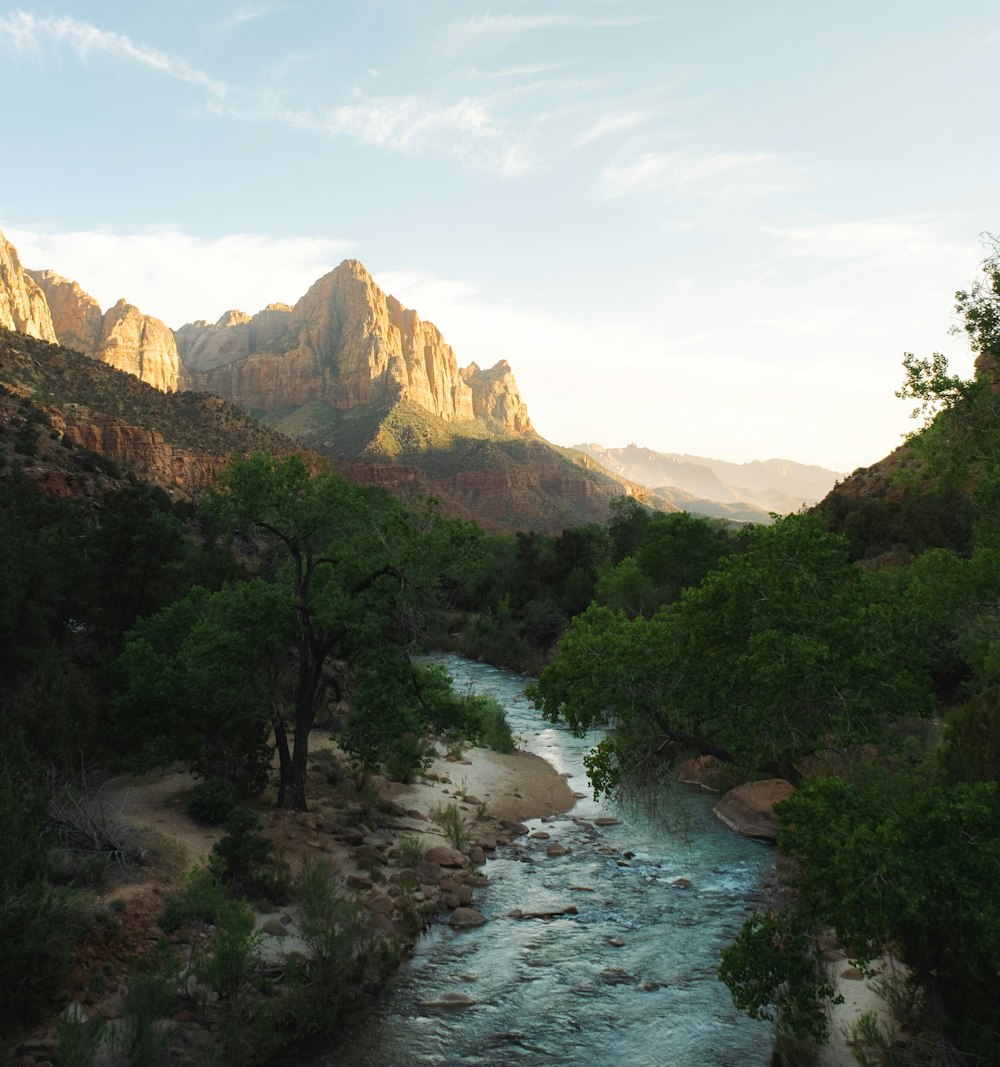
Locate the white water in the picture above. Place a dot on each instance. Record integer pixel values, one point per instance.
(564, 991)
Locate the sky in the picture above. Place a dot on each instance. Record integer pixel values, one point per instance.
(703, 226)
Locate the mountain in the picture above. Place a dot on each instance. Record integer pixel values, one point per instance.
(123, 337)
(349, 372)
(752, 490)
(23, 306)
(67, 419)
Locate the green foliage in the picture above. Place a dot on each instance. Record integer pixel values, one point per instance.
(201, 900)
(346, 958)
(896, 858)
(398, 703)
(79, 1039)
(452, 824)
(780, 651)
(979, 305)
(212, 801)
(773, 971)
(243, 860)
(38, 923)
(232, 959)
(140, 1039)
(928, 382)
(970, 749)
(198, 681)
(408, 850)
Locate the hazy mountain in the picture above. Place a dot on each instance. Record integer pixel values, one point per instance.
(761, 486)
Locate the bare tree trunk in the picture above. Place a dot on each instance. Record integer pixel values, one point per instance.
(284, 756)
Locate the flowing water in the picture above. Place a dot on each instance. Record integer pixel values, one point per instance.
(628, 981)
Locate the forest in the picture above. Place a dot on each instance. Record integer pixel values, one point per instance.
(853, 650)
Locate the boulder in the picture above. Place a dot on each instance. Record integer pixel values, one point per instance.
(444, 856)
(466, 919)
(706, 772)
(749, 809)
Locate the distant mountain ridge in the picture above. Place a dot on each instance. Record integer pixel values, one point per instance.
(359, 378)
(753, 489)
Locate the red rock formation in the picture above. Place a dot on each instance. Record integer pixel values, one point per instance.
(22, 304)
(122, 337)
(146, 451)
(346, 344)
(495, 397)
(76, 316)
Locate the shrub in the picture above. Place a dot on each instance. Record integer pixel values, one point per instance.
(408, 850)
(244, 860)
(201, 900)
(212, 801)
(452, 824)
(345, 957)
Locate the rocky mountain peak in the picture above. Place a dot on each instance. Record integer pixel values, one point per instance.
(76, 315)
(495, 397)
(22, 303)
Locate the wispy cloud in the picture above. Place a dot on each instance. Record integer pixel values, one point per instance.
(485, 25)
(684, 170)
(33, 36)
(173, 275)
(524, 123)
(517, 72)
(249, 12)
(606, 125)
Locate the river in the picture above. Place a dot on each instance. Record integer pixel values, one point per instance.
(628, 981)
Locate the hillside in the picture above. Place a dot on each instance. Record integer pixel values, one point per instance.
(178, 441)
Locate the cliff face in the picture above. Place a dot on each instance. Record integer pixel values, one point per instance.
(22, 304)
(76, 316)
(122, 337)
(495, 397)
(348, 345)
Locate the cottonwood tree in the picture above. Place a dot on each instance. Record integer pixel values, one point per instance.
(358, 570)
(781, 651)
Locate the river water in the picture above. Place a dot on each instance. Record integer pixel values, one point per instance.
(628, 981)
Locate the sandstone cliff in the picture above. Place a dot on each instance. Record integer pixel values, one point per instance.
(76, 315)
(179, 441)
(122, 337)
(347, 345)
(22, 304)
(495, 397)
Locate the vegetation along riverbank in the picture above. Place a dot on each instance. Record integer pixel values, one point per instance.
(231, 793)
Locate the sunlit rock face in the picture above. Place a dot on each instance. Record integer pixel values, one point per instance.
(140, 345)
(76, 316)
(22, 304)
(495, 397)
(122, 337)
(347, 344)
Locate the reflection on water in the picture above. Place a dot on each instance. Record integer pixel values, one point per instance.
(627, 981)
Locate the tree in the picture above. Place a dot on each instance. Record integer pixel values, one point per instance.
(897, 859)
(359, 571)
(781, 651)
(199, 682)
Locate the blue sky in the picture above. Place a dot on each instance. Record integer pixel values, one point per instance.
(709, 227)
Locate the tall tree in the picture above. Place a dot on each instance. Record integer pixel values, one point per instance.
(782, 650)
(358, 569)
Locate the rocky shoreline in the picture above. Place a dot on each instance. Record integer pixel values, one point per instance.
(386, 845)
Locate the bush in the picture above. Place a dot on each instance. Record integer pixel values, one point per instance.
(202, 900)
(38, 923)
(408, 850)
(212, 801)
(345, 957)
(452, 824)
(244, 860)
